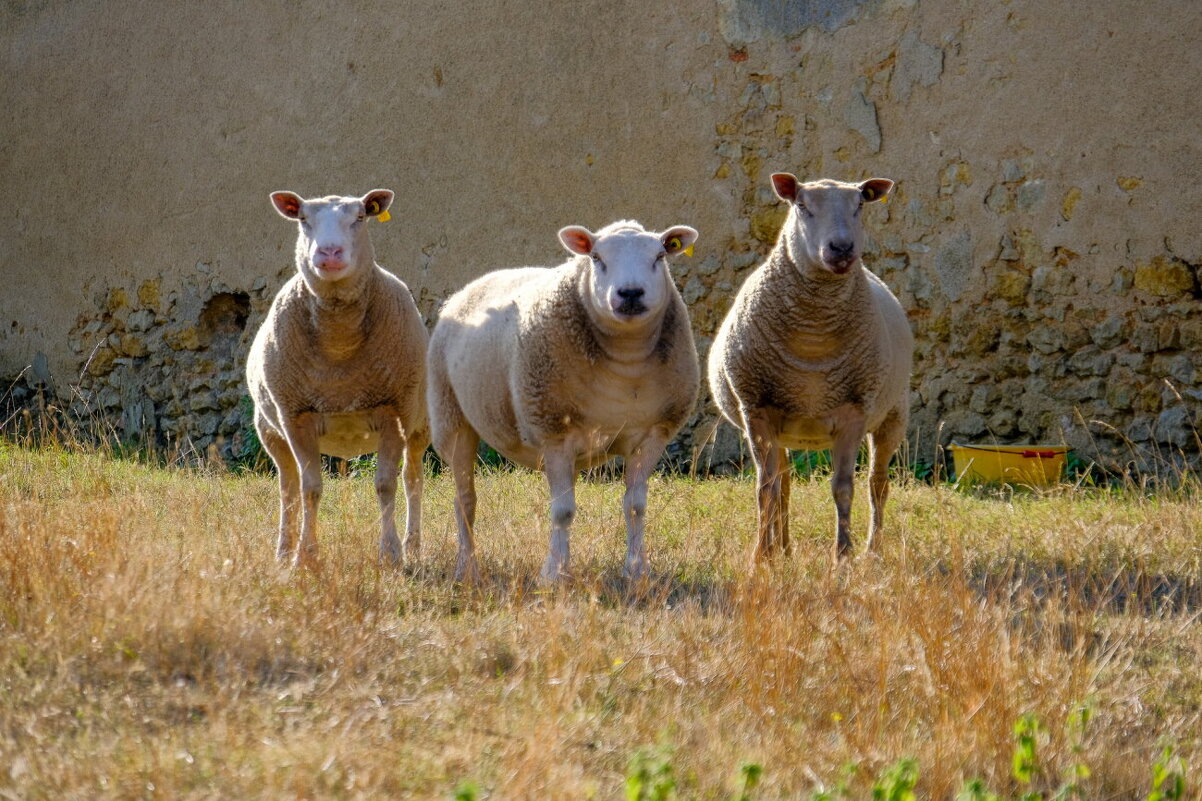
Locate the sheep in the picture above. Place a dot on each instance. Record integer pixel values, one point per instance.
(562, 368)
(338, 367)
(814, 354)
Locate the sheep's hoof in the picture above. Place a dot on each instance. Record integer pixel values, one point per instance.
(554, 573)
(467, 571)
(306, 559)
(390, 551)
(636, 570)
(411, 549)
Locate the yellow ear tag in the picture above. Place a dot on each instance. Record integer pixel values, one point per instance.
(688, 251)
(384, 216)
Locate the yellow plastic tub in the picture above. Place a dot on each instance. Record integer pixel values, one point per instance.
(1035, 465)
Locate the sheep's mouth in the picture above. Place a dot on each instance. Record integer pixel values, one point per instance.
(630, 308)
(840, 266)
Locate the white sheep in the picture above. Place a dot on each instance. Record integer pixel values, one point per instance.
(338, 367)
(814, 354)
(563, 368)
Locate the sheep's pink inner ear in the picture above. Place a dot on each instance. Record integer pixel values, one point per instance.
(577, 239)
(678, 238)
(377, 201)
(785, 186)
(875, 189)
(287, 204)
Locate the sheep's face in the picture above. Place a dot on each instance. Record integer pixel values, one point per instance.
(824, 226)
(333, 240)
(628, 276)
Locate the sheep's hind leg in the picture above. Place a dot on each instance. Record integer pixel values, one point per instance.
(414, 476)
(301, 432)
(639, 465)
(387, 460)
(767, 455)
(843, 457)
(459, 449)
(559, 463)
(782, 517)
(882, 444)
(289, 478)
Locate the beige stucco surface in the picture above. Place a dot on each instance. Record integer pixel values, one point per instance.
(1046, 156)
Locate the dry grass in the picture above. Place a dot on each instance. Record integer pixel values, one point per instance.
(149, 645)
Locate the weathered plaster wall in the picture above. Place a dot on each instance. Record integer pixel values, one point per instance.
(1044, 235)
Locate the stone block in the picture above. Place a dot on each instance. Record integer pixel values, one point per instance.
(1030, 194)
(1010, 285)
(1046, 339)
(999, 201)
(1090, 362)
(133, 346)
(102, 361)
(1145, 338)
(1164, 277)
(1174, 426)
(966, 423)
(186, 338)
(1109, 332)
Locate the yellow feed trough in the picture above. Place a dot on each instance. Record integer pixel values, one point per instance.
(1036, 465)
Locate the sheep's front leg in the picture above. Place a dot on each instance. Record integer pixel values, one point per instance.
(559, 463)
(277, 448)
(461, 453)
(843, 458)
(414, 475)
(302, 433)
(782, 517)
(882, 444)
(639, 464)
(769, 465)
(387, 460)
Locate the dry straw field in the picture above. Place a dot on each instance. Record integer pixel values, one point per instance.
(1009, 645)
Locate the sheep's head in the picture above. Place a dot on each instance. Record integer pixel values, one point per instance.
(333, 241)
(628, 277)
(824, 226)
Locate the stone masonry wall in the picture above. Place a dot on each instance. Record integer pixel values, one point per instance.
(1043, 235)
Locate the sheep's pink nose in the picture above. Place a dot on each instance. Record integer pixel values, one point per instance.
(330, 251)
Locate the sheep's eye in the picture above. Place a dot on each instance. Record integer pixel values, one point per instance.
(597, 261)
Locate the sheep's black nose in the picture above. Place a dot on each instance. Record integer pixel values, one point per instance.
(631, 293)
(841, 247)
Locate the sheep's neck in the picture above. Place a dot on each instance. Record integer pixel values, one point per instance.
(633, 345)
(822, 317)
(340, 314)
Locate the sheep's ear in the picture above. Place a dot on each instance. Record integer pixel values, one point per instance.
(288, 204)
(377, 201)
(678, 238)
(577, 239)
(875, 189)
(785, 185)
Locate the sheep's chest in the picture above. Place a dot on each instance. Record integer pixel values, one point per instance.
(618, 406)
(347, 434)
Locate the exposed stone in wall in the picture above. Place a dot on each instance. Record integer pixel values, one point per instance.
(1038, 235)
(167, 369)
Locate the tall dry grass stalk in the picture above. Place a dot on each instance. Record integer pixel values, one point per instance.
(151, 647)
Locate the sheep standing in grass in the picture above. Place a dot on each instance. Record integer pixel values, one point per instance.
(563, 368)
(338, 367)
(814, 354)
